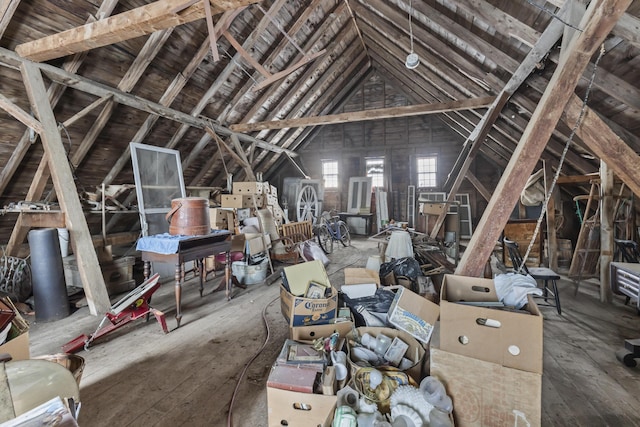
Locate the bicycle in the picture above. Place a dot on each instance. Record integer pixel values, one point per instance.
(332, 229)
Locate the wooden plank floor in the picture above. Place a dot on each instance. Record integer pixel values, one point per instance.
(140, 376)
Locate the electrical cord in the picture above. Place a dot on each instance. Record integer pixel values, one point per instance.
(246, 367)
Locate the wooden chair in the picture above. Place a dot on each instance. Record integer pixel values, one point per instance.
(282, 248)
(298, 232)
(542, 274)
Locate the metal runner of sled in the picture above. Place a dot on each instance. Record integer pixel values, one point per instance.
(131, 307)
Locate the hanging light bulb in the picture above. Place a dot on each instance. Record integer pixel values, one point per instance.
(412, 60)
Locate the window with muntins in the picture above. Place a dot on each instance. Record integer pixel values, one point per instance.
(375, 170)
(427, 171)
(330, 173)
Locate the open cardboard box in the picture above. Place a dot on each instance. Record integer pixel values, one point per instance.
(511, 339)
(17, 342)
(413, 314)
(291, 408)
(416, 352)
(299, 310)
(312, 332)
(360, 282)
(488, 394)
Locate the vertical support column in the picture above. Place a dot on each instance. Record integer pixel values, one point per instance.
(88, 265)
(606, 230)
(552, 242)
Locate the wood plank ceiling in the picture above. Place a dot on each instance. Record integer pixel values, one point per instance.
(284, 60)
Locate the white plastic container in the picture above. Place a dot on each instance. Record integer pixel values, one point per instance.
(250, 274)
(63, 237)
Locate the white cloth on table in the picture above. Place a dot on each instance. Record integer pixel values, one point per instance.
(513, 288)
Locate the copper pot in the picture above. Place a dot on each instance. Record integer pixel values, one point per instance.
(189, 216)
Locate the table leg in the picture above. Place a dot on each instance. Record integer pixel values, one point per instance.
(227, 274)
(202, 274)
(146, 270)
(178, 277)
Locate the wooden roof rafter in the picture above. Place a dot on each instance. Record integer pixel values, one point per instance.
(137, 22)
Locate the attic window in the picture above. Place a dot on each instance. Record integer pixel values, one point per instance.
(375, 170)
(427, 171)
(330, 173)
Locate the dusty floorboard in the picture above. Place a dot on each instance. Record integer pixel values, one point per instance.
(140, 376)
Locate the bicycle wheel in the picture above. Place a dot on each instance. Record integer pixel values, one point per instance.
(345, 237)
(325, 240)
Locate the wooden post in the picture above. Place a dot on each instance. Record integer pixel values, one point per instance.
(552, 242)
(88, 265)
(606, 229)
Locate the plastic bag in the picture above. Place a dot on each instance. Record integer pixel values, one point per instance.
(312, 251)
(408, 267)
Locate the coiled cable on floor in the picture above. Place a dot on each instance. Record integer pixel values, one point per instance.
(255, 356)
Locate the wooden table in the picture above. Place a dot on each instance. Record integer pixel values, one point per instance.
(368, 219)
(196, 248)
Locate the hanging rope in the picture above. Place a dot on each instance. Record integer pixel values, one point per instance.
(410, 26)
(224, 164)
(564, 154)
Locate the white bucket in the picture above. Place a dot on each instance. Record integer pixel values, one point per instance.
(373, 263)
(250, 274)
(63, 237)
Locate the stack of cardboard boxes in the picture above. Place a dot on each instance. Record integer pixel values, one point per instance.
(308, 319)
(312, 318)
(489, 359)
(249, 196)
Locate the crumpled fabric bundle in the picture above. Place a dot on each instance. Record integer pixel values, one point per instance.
(512, 288)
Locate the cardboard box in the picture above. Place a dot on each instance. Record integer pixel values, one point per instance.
(413, 314)
(433, 208)
(488, 394)
(117, 274)
(356, 276)
(220, 219)
(510, 339)
(299, 409)
(360, 282)
(237, 201)
(17, 347)
(298, 276)
(248, 188)
(273, 190)
(310, 333)
(17, 340)
(300, 311)
(272, 200)
(415, 352)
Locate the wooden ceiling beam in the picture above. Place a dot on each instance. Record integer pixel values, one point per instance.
(598, 21)
(606, 144)
(366, 115)
(137, 22)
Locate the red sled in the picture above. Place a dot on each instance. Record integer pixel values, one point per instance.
(131, 307)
